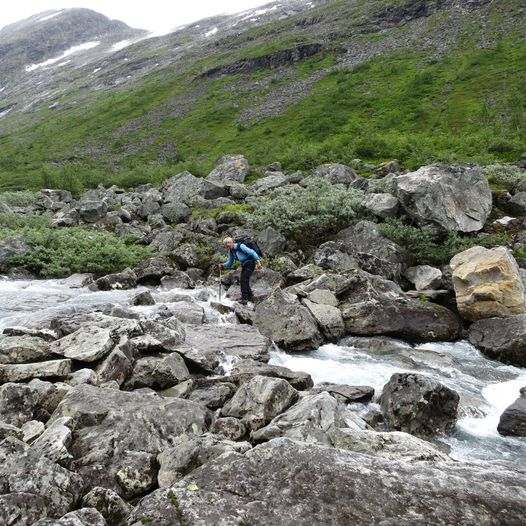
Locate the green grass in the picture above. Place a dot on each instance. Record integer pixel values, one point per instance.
(469, 105)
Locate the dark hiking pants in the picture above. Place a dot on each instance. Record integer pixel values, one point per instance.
(246, 271)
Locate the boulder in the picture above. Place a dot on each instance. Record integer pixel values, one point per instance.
(336, 173)
(24, 348)
(487, 283)
(517, 204)
(450, 197)
(502, 339)
(54, 442)
(177, 280)
(186, 256)
(419, 405)
(127, 279)
(33, 487)
(83, 517)
(381, 205)
(10, 247)
(268, 183)
(108, 504)
(229, 427)
(229, 169)
(323, 297)
(246, 369)
(424, 277)
(330, 319)
(185, 186)
(32, 430)
(143, 298)
(150, 271)
(176, 212)
(271, 242)
(190, 452)
(158, 372)
(262, 284)
(288, 323)
(212, 394)
(187, 312)
(259, 400)
(57, 369)
(513, 421)
(311, 420)
(7, 430)
(373, 252)
(166, 336)
(346, 393)
(210, 345)
(394, 445)
(387, 168)
(87, 344)
(92, 211)
(332, 256)
(118, 435)
(372, 306)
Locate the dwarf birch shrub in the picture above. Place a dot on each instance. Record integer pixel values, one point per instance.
(308, 214)
(505, 175)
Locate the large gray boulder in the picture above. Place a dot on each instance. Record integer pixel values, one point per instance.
(450, 197)
(229, 169)
(87, 344)
(308, 484)
(288, 323)
(92, 211)
(513, 421)
(372, 306)
(336, 173)
(127, 279)
(56, 369)
(262, 284)
(502, 339)
(418, 405)
(333, 255)
(312, 419)
(158, 372)
(259, 400)
(118, 435)
(108, 503)
(424, 277)
(381, 205)
(272, 242)
(185, 186)
(329, 318)
(23, 348)
(14, 246)
(268, 183)
(83, 517)
(32, 486)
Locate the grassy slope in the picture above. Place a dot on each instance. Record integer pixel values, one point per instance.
(469, 105)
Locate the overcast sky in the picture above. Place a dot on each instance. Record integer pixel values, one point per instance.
(155, 15)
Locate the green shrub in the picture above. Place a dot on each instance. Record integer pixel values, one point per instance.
(428, 249)
(308, 214)
(214, 212)
(59, 252)
(21, 198)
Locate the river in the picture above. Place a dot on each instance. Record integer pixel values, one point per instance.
(486, 387)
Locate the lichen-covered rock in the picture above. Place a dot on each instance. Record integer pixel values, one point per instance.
(230, 168)
(450, 197)
(424, 277)
(24, 348)
(108, 504)
(57, 369)
(83, 517)
(487, 283)
(87, 344)
(419, 405)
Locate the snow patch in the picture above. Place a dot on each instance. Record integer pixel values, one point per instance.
(250, 15)
(5, 112)
(51, 16)
(67, 53)
(2, 89)
(121, 45)
(211, 32)
(95, 70)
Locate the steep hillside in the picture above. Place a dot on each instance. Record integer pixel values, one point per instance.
(297, 82)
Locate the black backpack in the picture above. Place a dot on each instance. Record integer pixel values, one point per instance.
(250, 243)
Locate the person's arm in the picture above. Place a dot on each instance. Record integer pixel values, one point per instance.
(230, 261)
(252, 253)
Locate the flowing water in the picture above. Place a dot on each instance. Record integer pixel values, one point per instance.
(486, 387)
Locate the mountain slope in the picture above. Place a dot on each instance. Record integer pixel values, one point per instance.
(303, 84)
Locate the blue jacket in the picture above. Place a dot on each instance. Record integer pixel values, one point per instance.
(240, 253)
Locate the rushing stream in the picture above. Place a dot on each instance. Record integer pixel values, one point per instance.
(486, 387)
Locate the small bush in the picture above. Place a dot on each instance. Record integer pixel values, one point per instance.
(506, 175)
(308, 214)
(59, 252)
(22, 198)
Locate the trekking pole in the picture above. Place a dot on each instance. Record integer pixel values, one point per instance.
(220, 279)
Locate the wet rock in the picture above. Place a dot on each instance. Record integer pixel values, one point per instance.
(189, 453)
(346, 393)
(20, 349)
(424, 277)
(108, 504)
(282, 318)
(259, 400)
(87, 344)
(118, 435)
(394, 445)
(311, 420)
(50, 490)
(158, 372)
(230, 168)
(244, 370)
(143, 298)
(78, 281)
(211, 344)
(513, 421)
(188, 312)
(419, 405)
(177, 280)
(127, 279)
(502, 339)
(26, 371)
(487, 283)
(450, 197)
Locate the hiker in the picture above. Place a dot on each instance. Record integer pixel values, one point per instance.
(249, 260)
